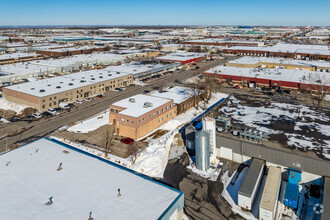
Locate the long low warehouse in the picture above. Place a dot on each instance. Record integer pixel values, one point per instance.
(49, 93)
(48, 179)
(250, 185)
(285, 78)
(268, 203)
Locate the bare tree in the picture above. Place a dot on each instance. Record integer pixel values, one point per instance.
(108, 138)
(318, 87)
(210, 82)
(197, 89)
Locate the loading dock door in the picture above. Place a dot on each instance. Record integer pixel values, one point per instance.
(226, 153)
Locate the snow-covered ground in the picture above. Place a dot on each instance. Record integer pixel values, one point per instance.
(6, 105)
(91, 124)
(261, 118)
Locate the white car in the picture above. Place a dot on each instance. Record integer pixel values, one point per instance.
(122, 88)
(52, 111)
(79, 101)
(88, 99)
(37, 115)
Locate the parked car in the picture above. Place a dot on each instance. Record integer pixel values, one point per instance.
(197, 67)
(117, 90)
(30, 117)
(146, 91)
(170, 71)
(88, 99)
(287, 91)
(46, 114)
(268, 93)
(127, 140)
(58, 109)
(100, 95)
(132, 84)
(280, 91)
(64, 105)
(122, 88)
(258, 89)
(51, 111)
(37, 115)
(79, 101)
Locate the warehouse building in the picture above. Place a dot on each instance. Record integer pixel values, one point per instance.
(184, 57)
(269, 199)
(69, 51)
(48, 179)
(49, 93)
(139, 115)
(281, 63)
(263, 77)
(18, 57)
(250, 185)
(224, 42)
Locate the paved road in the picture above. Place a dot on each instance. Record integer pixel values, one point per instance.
(43, 127)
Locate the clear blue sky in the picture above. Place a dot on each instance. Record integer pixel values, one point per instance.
(167, 12)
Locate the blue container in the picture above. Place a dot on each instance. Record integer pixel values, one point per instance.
(294, 176)
(291, 195)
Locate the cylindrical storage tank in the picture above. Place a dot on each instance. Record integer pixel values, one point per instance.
(202, 149)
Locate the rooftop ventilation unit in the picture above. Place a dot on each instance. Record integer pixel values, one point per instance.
(118, 72)
(100, 77)
(147, 105)
(42, 90)
(82, 81)
(92, 78)
(70, 84)
(131, 100)
(61, 82)
(109, 74)
(48, 85)
(32, 88)
(58, 87)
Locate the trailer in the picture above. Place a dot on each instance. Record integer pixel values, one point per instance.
(291, 195)
(249, 187)
(268, 202)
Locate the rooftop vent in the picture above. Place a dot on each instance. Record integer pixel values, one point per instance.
(58, 87)
(118, 72)
(92, 78)
(131, 100)
(61, 82)
(32, 88)
(48, 85)
(42, 90)
(82, 81)
(109, 74)
(70, 84)
(147, 105)
(101, 77)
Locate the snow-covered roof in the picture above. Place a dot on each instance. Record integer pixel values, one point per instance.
(86, 183)
(23, 69)
(288, 75)
(178, 94)
(17, 55)
(182, 56)
(137, 108)
(136, 68)
(279, 60)
(63, 83)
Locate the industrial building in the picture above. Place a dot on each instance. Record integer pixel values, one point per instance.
(265, 77)
(49, 93)
(250, 185)
(50, 179)
(139, 115)
(309, 52)
(281, 63)
(18, 57)
(269, 199)
(69, 51)
(224, 42)
(184, 57)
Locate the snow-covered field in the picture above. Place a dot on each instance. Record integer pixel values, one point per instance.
(4, 104)
(303, 135)
(91, 124)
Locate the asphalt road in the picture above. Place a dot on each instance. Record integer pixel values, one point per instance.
(43, 127)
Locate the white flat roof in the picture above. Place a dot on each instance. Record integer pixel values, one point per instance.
(136, 68)
(23, 69)
(85, 184)
(178, 94)
(51, 86)
(17, 55)
(136, 109)
(219, 40)
(289, 75)
(279, 60)
(181, 56)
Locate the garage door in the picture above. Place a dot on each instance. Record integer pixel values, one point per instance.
(226, 153)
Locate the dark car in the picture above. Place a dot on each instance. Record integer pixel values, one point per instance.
(100, 96)
(30, 117)
(280, 91)
(287, 91)
(197, 67)
(47, 114)
(146, 91)
(170, 71)
(58, 109)
(132, 84)
(127, 140)
(268, 93)
(71, 105)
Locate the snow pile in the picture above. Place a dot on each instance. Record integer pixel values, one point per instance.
(152, 160)
(211, 174)
(91, 124)
(6, 105)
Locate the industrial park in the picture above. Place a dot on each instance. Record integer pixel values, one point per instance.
(164, 121)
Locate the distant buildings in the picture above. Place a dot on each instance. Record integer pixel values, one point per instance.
(184, 57)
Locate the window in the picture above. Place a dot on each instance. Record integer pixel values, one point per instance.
(167, 115)
(50, 99)
(171, 114)
(111, 110)
(143, 119)
(157, 112)
(170, 105)
(127, 120)
(175, 111)
(154, 113)
(123, 119)
(50, 104)
(162, 109)
(54, 97)
(158, 120)
(149, 116)
(43, 106)
(139, 121)
(43, 100)
(166, 107)
(132, 122)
